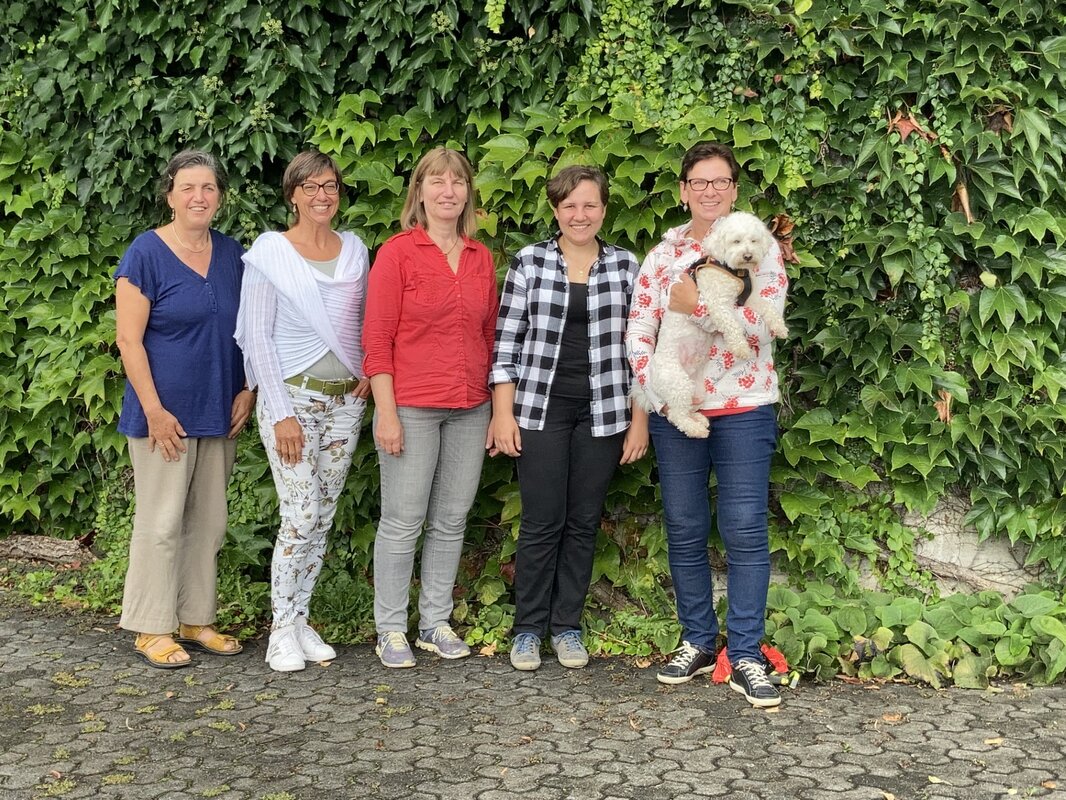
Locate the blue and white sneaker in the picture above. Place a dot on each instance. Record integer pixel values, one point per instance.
(525, 651)
(393, 650)
(570, 649)
(443, 641)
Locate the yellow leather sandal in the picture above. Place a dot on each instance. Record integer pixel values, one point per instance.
(157, 649)
(207, 639)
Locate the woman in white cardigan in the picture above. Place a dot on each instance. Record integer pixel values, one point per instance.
(300, 327)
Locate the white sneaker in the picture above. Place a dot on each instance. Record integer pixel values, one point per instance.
(284, 653)
(314, 649)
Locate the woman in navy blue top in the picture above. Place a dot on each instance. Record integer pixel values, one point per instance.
(177, 289)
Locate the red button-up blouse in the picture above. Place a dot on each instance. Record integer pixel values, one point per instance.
(430, 329)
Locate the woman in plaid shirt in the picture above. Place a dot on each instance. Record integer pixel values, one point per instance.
(561, 406)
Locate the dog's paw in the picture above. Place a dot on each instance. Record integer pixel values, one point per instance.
(640, 397)
(694, 426)
(740, 350)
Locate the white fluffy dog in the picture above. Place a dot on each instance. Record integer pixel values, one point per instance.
(740, 241)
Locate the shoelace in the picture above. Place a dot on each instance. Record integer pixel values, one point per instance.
(393, 639)
(755, 674)
(524, 644)
(444, 635)
(685, 655)
(569, 639)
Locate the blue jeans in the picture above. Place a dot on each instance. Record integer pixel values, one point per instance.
(739, 450)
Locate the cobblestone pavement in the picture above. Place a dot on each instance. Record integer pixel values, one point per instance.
(80, 717)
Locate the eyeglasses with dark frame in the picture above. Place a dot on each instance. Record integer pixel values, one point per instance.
(699, 184)
(310, 188)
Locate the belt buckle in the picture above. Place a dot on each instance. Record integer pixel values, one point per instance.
(334, 387)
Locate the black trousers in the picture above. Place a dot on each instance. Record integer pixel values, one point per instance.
(563, 475)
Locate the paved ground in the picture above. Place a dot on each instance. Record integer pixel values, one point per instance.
(79, 717)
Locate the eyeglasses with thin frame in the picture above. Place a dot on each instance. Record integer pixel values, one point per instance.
(310, 188)
(699, 184)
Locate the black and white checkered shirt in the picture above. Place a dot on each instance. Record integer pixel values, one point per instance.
(529, 330)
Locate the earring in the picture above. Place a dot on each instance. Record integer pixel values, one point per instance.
(684, 206)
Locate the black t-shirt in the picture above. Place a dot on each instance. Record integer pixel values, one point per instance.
(572, 371)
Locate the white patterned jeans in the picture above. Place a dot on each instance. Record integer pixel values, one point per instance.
(432, 484)
(307, 494)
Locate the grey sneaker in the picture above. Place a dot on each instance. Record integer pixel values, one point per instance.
(394, 651)
(570, 649)
(443, 641)
(525, 651)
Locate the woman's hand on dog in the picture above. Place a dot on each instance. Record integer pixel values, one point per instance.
(684, 296)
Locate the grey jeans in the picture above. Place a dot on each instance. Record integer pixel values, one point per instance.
(431, 484)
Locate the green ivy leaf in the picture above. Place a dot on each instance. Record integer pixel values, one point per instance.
(507, 149)
(1035, 605)
(1012, 650)
(803, 500)
(1045, 625)
(915, 664)
(902, 611)
(971, 672)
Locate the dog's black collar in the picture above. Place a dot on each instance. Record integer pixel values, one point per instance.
(742, 273)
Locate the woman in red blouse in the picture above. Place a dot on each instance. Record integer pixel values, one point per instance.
(428, 335)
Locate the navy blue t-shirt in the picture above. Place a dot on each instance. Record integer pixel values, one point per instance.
(196, 364)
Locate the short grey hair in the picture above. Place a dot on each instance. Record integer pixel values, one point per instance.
(184, 160)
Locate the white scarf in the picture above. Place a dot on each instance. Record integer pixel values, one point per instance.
(275, 258)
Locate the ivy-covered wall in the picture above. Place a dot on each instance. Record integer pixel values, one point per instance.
(913, 151)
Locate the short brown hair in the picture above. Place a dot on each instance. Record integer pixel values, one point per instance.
(703, 151)
(184, 160)
(436, 162)
(302, 167)
(567, 179)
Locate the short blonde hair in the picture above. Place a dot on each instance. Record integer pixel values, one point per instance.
(436, 162)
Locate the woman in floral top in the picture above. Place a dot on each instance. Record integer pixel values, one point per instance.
(738, 394)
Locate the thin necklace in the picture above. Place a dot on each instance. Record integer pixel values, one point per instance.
(449, 250)
(174, 230)
(581, 271)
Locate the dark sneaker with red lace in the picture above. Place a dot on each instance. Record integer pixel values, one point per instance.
(749, 678)
(688, 662)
